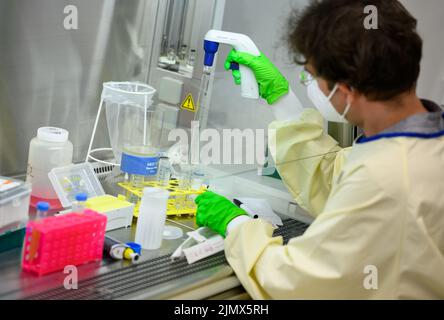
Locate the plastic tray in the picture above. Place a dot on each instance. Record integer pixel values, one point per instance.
(14, 202)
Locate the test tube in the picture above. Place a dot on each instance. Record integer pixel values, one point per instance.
(171, 54)
(80, 204)
(42, 210)
(192, 58)
(164, 172)
(183, 52)
(198, 177)
(184, 185)
(137, 180)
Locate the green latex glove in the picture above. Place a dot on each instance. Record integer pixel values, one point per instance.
(215, 212)
(272, 84)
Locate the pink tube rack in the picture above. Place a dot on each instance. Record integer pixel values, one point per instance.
(53, 243)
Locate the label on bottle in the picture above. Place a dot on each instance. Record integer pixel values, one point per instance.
(140, 165)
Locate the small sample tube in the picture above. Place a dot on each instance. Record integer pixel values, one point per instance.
(192, 58)
(164, 172)
(80, 204)
(198, 178)
(184, 185)
(137, 180)
(42, 210)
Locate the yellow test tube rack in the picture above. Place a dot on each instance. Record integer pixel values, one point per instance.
(179, 203)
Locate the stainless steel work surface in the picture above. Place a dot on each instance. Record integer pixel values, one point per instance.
(155, 277)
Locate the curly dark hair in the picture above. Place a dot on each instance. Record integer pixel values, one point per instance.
(379, 63)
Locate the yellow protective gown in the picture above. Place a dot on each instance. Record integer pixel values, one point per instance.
(379, 227)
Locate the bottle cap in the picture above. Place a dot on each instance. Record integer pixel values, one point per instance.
(135, 246)
(52, 134)
(81, 196)
(42, 206)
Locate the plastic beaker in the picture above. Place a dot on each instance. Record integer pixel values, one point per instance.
(141, 145)
(125, 105)
(152, 217)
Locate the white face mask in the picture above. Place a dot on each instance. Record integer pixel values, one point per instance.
(324, 105)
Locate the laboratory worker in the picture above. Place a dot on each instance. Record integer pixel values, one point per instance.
(378, 231)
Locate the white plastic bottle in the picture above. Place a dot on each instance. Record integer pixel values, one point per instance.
(50, 149)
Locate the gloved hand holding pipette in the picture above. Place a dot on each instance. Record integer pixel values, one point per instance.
(273, 86)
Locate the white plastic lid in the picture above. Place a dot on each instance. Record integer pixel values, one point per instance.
(52, 134)
(172, 233)
(152, 192)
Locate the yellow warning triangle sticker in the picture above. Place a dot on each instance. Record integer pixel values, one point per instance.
(188, 103)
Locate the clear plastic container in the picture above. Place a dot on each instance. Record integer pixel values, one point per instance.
(141, 145)
(50, 149)
(152, 216)
(74, 179)
(14, 203)
(125, 106)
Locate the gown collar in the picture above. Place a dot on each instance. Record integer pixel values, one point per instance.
(429, 125)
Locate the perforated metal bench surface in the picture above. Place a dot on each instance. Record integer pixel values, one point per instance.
(129, 280)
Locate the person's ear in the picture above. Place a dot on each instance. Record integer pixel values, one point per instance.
(348, 92)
